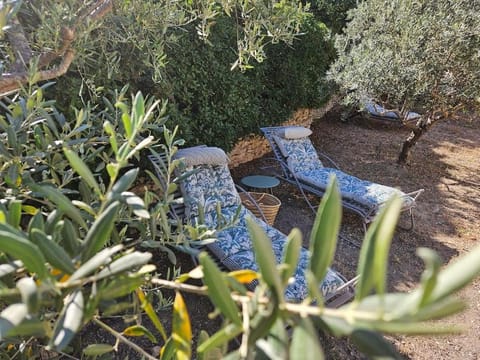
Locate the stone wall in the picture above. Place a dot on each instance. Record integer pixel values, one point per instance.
(255, 146)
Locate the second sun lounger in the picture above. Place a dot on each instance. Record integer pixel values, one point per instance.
(301, 165)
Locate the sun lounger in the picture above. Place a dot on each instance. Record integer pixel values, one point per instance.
(377, 111)
(209, 188)
(301, 165)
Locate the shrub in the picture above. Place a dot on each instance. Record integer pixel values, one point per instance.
(334, 13)
(64, 216)
(217, 106)
(212, 103)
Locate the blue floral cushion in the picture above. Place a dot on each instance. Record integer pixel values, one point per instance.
(212, 184)
(236, 237)
(208, 186)
(234, 248)
(362, 191)
(244, 260)
(228, 214)
(379, 111)
(298, 289)
(300, 153)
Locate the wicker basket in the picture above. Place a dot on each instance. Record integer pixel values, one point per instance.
(268, 203)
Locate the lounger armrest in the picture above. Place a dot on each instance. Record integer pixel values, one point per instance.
(412, 195)
(415, 194)
(348, 290)
(350, 283)
(322, 155)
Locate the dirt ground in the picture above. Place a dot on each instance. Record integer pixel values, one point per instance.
(446, 163)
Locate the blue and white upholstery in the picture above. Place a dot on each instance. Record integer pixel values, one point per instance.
(211, 184)
(379, 111)
(303, 161)
(364, 192)
(300, 153)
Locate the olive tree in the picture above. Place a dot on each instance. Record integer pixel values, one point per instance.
(40, 40)
(25, 49)
(412, 55)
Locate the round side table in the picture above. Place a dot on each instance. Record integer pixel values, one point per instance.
(262, 182)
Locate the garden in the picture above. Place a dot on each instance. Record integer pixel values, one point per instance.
(105, 253)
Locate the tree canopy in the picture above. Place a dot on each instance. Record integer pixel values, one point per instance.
(412, 55)
(47, 36)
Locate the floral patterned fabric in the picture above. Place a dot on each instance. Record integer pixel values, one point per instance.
(379, 111)
(212, 184)
(300, 153)
(234, 247)
(362, 191)
(301, 156)
(208, 186)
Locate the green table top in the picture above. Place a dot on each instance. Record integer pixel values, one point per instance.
(260, 181)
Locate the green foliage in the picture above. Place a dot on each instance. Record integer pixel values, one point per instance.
(8, 10)
(333, 13)
(414, 55)
(64, 253)
(325, 228)
(217, 106)
(294, 76)
(211, 103)
(32, 149)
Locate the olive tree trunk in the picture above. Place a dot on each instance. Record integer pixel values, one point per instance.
(18, 73)
(421, 128)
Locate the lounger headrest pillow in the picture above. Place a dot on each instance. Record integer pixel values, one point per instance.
(202, 155)
(294, 132)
